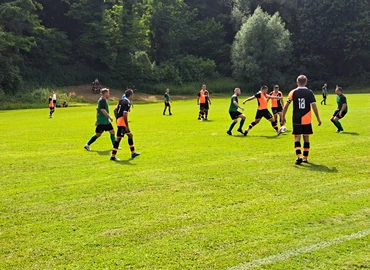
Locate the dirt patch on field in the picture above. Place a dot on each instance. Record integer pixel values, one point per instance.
(84, 92)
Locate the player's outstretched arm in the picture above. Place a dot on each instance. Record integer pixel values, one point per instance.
(316, 111)
(249, 99)
(283, 120)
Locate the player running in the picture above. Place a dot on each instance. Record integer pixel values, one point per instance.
(167, 100)
(341, 111)
(234, 113)
(262, 98)
(277, 104)
(51, 106)
(303, 99)
(203, 101)
(103, 119)
(324, 94)
(121, 113)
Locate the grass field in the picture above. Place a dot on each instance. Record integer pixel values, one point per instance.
(195, 199)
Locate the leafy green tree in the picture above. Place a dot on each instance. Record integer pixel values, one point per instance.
(18, 25)
(261, 50)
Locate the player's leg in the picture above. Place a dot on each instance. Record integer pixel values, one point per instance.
(335, 121)
(235, 121)
(134, 154)
(243, 117)
(306, 148)
(206, 113)
(272, 119)
(280, 114)
(165, 108)
(201, 112)
(169, 108)
(119, 137)
(252, 125)
(98, 133)
(112, 136)
(298, 149)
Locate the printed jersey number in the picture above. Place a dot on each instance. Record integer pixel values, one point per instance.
(119, 109)
(302, 103)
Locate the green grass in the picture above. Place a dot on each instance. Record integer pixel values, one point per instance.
(195, 199)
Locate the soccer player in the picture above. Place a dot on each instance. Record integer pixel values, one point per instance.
(103, 120)
(54, 96)
(262, 98)
(234, 113)
(303, 99)
(121, 112)
(341, 111)
(51, 106)
(204, 101)
(277, 104)
(167, 100)
(324, 94)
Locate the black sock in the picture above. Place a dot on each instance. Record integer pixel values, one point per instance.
(92, 140)
(232, 126)
(241, 124)
(306, 150)
(298, 151)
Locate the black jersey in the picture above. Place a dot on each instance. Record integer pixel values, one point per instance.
(302, 99)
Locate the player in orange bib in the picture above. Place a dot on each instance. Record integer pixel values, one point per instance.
(203, 101)
(276, 104)
(121, 113)
(262, 98)
(303, 100)
(51, 106)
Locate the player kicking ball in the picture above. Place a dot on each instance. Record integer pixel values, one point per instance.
(234, 113)
(121, 113)
(262, 98)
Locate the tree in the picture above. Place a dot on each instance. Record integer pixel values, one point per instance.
(261, 49)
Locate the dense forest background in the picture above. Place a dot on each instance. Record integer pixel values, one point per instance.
(147, 42)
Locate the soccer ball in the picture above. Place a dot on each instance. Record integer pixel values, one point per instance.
(283, 129)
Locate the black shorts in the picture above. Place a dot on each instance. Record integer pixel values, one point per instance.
(167, 104)
(54, 101)
(302, 129)
(235, 115)
(276, 110)
(102, 128)
(263, 113)
(324, 96)
(336, 114)
(204, 106)
(121, 132)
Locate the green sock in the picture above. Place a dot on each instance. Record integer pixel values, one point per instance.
(113, 138)
(339, 125)
(92, 140)
(241, 124)
(232, 126)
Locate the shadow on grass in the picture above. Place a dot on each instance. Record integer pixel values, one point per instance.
(125, 162)
(318, 168)
(351, 133)
(102, 153)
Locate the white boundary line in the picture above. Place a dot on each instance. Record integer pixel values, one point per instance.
(294, 252)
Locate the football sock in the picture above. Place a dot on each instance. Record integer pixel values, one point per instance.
(169, 110)
(339, 125)
(232, 126)
(274, 125)
(335, 123)
(92, 140)
(241, 124)
(164, 111)
(252, 125)
(206, 113)
(298, 150)
(131, 144)
(306, 150)
(113, 138)
(115, 147)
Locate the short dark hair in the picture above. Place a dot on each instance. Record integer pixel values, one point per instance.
(302, 79)
(264, 87)
(104, 90)
(339, 89)
(129, 93)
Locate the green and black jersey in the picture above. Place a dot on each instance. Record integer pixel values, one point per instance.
(102, 119)
(167, 97)
(233, 107)
(341, 99)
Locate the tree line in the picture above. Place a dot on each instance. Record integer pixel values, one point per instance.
(145, 42)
